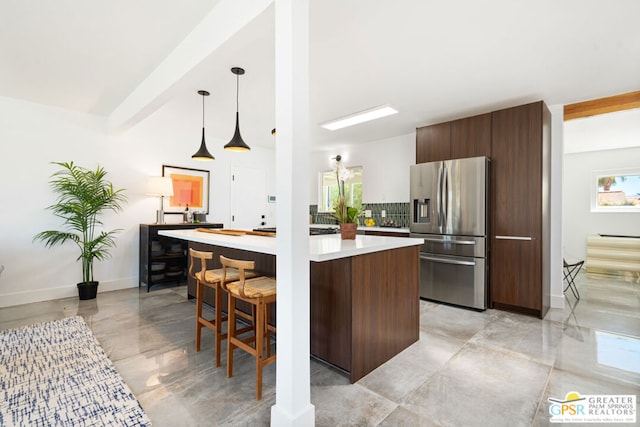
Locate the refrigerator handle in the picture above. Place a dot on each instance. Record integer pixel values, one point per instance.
(453, 242)
(445, 260)
(439, 195)
(445, 196)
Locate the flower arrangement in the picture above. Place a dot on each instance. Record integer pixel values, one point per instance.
(343, 212)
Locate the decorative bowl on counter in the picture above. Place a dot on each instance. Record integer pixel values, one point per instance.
(369, 222)
(390, 224)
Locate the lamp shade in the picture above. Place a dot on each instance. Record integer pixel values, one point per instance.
(203, 153)
(160, 186)
(237, 143)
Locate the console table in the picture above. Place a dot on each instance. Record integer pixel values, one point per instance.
(164, 259)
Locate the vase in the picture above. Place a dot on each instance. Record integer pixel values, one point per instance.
(348, 230)
(87, 290)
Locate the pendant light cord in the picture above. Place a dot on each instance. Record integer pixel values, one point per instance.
(202, 111)
(237, 91)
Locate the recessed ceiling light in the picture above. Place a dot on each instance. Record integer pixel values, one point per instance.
(362, 116)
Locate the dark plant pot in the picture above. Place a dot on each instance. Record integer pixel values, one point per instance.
(87, 290)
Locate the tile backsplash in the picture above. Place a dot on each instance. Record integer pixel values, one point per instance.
(397, 212)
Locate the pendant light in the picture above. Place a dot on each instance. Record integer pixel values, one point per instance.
(236, 143)
(203, 153)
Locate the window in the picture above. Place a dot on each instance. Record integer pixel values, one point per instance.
(328, 193)
(616, 191)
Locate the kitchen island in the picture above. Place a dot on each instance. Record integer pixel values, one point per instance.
(364, 292)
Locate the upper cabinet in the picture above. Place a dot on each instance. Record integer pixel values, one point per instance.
(433, 143)
(471, 137)
(468, 137)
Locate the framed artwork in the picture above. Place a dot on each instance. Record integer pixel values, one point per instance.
(190, 188)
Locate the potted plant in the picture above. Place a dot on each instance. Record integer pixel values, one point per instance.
(83, 195)
(346, 215)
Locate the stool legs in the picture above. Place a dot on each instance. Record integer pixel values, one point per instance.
(216, 324)
(199, 325)
(261, 336)
(231, 334)
(219, 320)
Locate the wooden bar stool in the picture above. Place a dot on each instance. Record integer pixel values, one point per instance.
(212, 279)
(259, 292)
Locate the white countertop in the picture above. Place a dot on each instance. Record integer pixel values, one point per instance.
(321, 248)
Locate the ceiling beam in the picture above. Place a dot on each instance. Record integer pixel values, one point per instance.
(625, 101)
(219, 25)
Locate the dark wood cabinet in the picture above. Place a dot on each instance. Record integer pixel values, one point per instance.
(468, 137)
(163, 259)
(433, 143)
(520, 238)
(471, 137)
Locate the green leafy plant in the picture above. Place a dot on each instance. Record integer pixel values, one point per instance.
(608, 181)
(83, 195)
(344, 213)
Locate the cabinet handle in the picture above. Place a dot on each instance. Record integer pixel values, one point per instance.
(514, 238)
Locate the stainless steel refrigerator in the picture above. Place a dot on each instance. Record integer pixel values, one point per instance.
(449, 210)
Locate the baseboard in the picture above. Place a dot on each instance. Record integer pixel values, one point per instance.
(48, 294)
(557, 301)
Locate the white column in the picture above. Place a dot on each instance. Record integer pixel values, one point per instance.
(293, 405)
(557, 239)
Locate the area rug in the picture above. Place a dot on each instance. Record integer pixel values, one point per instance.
(57, 374)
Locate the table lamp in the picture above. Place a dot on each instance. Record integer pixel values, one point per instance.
(160, 186)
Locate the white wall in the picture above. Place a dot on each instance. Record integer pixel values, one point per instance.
(579, 221)
(607, 141)
(603, 132)
(34, 135)
(385, 164)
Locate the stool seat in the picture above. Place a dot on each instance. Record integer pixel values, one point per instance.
(253, 288)
(216, 275)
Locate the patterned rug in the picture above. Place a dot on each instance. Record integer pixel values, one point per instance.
(57, 374)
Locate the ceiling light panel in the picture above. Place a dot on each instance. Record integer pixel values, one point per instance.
(361, 117)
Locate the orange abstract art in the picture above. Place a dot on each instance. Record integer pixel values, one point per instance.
(190, 188)
(187, 191)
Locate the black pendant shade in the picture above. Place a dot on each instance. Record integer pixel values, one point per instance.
(203, 153)
(236, 143)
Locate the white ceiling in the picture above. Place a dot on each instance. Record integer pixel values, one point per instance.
(431, 60)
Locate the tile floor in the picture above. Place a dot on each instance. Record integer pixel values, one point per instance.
(468, 368)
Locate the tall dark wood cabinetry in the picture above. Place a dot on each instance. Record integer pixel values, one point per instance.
(433, 143)
(520, 236)
(471, 137)
(164, 259)
(468, 137)
(518, 142)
